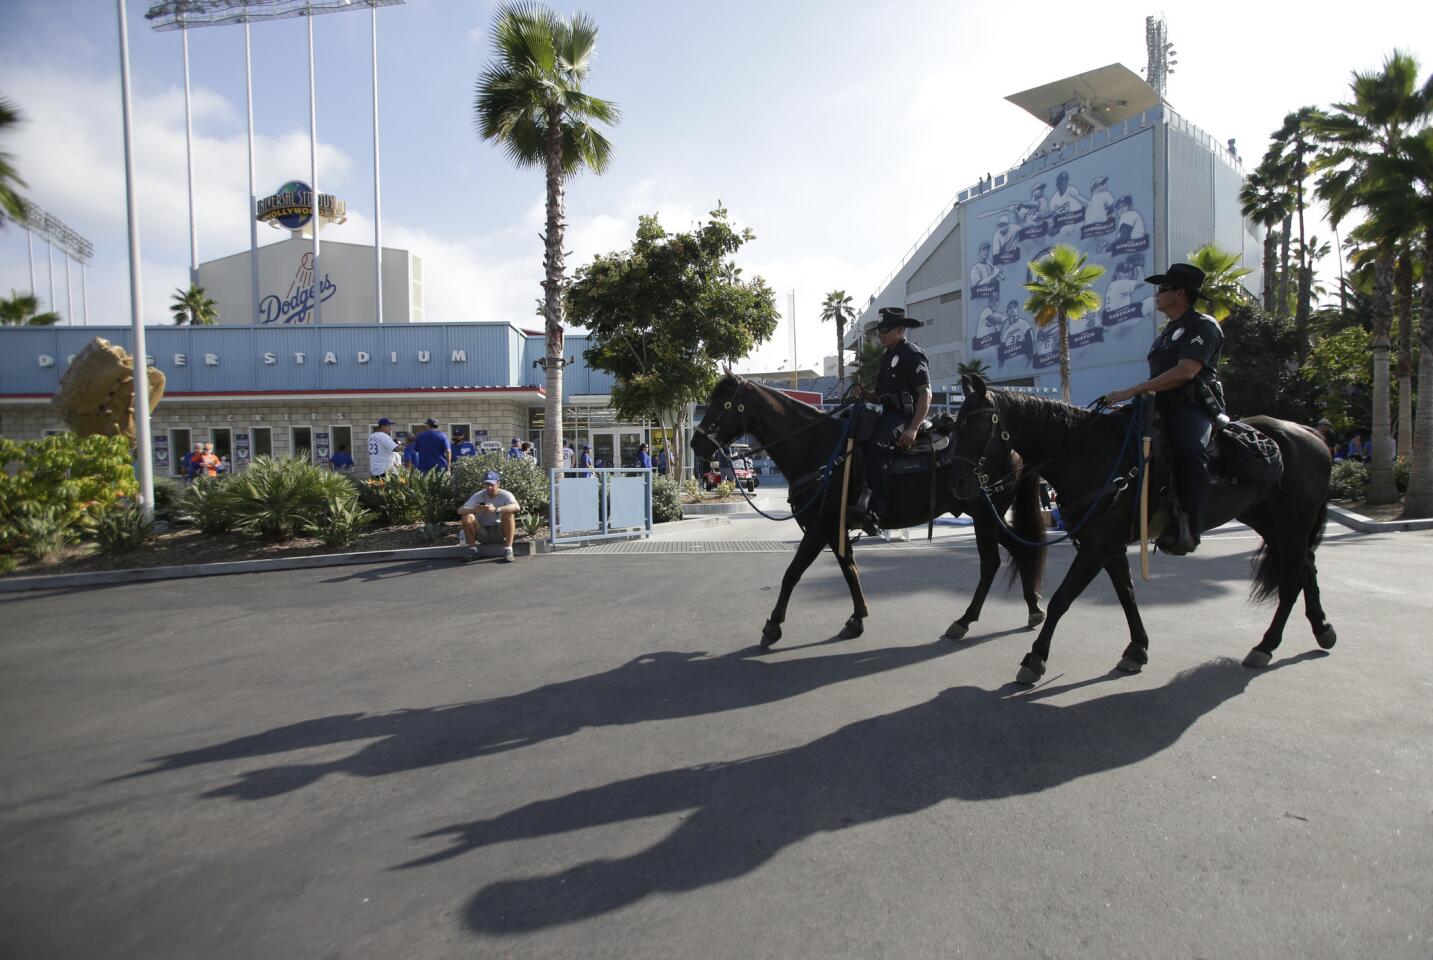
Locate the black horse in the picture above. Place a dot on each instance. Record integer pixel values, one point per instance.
(801, 439)
(1078, 450)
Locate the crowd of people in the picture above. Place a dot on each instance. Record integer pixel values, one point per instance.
(1357, 445)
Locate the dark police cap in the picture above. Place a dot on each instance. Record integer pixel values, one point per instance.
(1183, 276)
(893, 318)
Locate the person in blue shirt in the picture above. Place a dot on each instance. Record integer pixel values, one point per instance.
(410, 452)
(515, 451)
(661, 461)
(465, 449)
(435, 450)
(342, 460)
(644, 459)
(584, 460)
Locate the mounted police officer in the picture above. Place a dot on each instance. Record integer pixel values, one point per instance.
(903, 390)
(1183, 375)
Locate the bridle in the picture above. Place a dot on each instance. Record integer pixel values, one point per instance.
(713, 434)
(978, 465)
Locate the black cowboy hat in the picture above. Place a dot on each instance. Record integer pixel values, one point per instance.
(893, 317)
(1184, 276)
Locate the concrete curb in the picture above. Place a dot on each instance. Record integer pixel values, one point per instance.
(1363, 524)
(99, 578)
(714, 509)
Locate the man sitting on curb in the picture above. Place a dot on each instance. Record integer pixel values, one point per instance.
(490, 516)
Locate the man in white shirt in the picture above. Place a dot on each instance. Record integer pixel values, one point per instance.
(380, 449)
(569, 457)
(490, 516)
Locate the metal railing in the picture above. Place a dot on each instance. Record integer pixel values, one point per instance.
(598, 503)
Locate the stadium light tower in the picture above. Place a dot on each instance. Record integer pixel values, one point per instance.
(1161, 53)
(55, 232)
(183, 14)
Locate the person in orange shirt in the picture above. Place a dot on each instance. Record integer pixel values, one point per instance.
(209, 463)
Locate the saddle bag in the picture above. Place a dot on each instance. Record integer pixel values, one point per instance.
(1248, 455)
(865, 417)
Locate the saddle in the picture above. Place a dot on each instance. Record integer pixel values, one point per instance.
(933, 442)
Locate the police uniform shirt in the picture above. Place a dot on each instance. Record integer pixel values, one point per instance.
(1194, 336)
(904, 369)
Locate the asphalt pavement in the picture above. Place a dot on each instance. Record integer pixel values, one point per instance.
(585, 755)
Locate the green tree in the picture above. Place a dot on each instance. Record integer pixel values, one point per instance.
(973, 368)
(1260, 369)
(23, 310)
(530, 101)
(192, 307)
(1222, 279)
(1386, 107)
(868, 364)
(1265, 201)
(665, 313)
(1291, 151)
(10, 202)
(837, 308)
(1062, 289)
(1341, 370)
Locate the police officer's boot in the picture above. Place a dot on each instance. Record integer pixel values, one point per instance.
(864, 514)
(1178, 537)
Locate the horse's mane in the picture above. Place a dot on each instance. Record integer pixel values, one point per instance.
(1057, 427)
(784, 402)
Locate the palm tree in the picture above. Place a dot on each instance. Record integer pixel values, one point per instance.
(973, 368)
(193, 307)
(1061, 289)
(1386, 107)
(10, 202)
(868, 364)
(529, 100)
(837, 307)
(1222, 276)
(22, 310)
(1290, 152)
(1265, 201)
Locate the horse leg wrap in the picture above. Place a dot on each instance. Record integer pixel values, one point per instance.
(770, 633)
(854, 627)
(1032, 668)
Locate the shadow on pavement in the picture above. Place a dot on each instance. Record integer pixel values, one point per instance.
(656, 686)
(965, 743)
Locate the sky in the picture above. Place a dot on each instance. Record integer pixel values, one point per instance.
(837, 131)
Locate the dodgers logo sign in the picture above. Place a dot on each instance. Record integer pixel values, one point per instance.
(296, 305)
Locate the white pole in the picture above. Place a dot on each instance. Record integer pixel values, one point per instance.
(189, 166)
(84, 294)
(141, 364)
(69, 293)
(377, 205)
(253, 193)
(313, 172)
(30, 241)
(50, 265)
(791, 312)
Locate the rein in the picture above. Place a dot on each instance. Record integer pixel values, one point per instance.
(1112, 483)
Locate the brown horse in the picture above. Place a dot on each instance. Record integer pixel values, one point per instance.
(801, 440)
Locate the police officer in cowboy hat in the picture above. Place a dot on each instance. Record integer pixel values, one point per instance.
(1183, 376)
(903, 390)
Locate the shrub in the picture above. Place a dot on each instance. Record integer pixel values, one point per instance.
(123, 528)
(1348, 480)
(278, 497)
(531, 522)
(393, 496)
(726, 488)
(666, 500)
(166, 499)
(208, 506)
(44, 531)
(1400, 474)
(523, 480)
(73, 479)
(343, 518)
(437, 501)
(692, 488)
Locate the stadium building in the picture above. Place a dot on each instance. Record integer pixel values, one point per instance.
(1121, 177)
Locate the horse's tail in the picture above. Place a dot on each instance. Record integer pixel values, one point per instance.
(1029, 525)
(1266, 562)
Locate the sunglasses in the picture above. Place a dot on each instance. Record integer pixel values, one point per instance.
(1167, 288)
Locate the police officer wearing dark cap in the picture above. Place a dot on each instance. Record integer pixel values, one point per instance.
(903, 390)
(1183, 376)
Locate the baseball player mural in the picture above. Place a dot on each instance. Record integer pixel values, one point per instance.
(1106, 223)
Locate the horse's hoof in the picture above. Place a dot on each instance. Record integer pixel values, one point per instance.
(770, 633)
(1129, 665)
(1032, 668)
(854, 628)
(1327, 638)
(1036, 618)
(956, 631)
(1258, 658)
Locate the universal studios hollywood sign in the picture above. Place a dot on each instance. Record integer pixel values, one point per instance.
(291, 207)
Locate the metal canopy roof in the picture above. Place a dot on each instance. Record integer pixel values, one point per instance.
(178, 14)
(1115, 92)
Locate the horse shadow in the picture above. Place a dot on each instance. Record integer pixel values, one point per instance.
(965, 743)
(657, 686)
